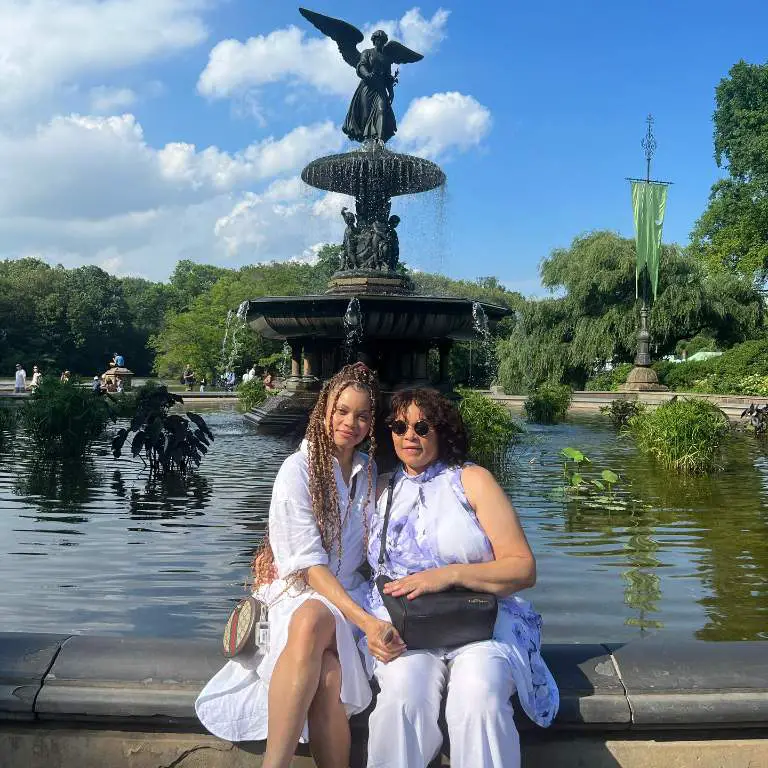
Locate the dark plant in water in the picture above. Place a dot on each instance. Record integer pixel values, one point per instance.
(166, 442)
(757, 416)
(621, 410)
(9, 419)
(684, 435)
(64, 418)
(548, 404)
(490, 426)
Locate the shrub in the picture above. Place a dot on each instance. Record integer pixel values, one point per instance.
(490, 425)
(9, 419)
(548, 404)
(251, 394)
(609, 381)
(64, 418)
(621, 410)
(167, 442)
(684, 435)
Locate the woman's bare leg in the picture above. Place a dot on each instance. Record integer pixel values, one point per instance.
(295, 679)
(329, 737)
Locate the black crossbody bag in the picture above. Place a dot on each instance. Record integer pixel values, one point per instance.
(438, 619)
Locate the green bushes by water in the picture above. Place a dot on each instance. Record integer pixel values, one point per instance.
(491, 428)
(251, 394)
(684, 435)
(548, 403)
(741, 370)
(64, 418)
(609, 381)
(621, 410)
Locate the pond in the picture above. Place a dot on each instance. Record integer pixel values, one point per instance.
(95, 549)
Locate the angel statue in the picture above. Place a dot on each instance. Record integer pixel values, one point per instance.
(370, 116)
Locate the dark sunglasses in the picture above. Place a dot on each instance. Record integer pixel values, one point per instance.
(400, 427)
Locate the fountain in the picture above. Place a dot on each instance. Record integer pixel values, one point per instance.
(369, 312)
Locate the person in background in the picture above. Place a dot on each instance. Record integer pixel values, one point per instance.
(21, 379)
(202, 383)
(120, 384)
(268, 381)
(96, 385)
(37, 377)
(188, 377)
(229, 380)
(64, 378)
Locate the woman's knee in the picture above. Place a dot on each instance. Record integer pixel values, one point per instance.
(411, 685)
(478, 690)
(311, 631)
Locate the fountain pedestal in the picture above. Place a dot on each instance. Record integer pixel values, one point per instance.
(355, 282)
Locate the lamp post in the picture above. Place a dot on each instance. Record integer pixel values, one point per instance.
(649, 207)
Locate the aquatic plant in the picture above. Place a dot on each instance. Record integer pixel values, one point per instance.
(9, 419)
(576, 481)
(621, 410)
(251, 394)
(491, 428)
(64, 418)
(757, 416)
(165, 442)
(684, 435)
(548, 404)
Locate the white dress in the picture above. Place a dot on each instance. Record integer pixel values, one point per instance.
(233, 705)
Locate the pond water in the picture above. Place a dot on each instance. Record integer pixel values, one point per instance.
(95, 549)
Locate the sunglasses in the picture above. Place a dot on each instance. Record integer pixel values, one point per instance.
(400, 427)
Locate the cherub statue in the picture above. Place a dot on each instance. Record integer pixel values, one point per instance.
(349, 249)
(370, 116)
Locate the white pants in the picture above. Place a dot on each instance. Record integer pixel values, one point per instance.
(404, 730)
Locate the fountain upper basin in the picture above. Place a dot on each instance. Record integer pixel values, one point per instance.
(423, 318)
(363, 172)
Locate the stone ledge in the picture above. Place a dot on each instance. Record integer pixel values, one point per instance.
(656, 683)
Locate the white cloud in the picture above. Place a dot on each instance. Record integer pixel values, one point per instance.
(90, 189)
(47, 44)
(293, 55)
(106, 100)
(434, 125)
(282, 219)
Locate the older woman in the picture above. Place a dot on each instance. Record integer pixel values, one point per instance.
(451, 525)
(313, 677)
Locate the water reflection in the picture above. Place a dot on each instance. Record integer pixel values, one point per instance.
(96, 547)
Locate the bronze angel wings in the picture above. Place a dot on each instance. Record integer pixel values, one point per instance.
(348, 37)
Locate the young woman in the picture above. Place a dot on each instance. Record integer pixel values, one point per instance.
(451, 525)
(312, 678)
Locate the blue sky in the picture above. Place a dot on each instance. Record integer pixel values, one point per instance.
(133, 134)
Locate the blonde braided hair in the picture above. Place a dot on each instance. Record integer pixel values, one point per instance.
(322, 479)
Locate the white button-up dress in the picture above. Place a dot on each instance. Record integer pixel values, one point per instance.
(234, 703)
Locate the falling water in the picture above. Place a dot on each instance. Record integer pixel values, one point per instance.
(285, 362)
(230, 345)
(353, 328)
(485, 356)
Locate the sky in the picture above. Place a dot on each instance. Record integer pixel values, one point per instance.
(134, 133)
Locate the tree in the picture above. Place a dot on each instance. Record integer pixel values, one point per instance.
(594, 321)
(732, 233)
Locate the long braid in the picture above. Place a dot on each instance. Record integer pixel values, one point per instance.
(322, 479)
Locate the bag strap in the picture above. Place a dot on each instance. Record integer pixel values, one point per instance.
(390, 492)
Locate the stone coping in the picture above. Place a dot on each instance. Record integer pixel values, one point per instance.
(663, 682)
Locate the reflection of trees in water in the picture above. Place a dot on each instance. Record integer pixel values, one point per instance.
(166, 497)
(58, 486)
(729, 519)
(632, 524)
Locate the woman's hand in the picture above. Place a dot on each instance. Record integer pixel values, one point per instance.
(384, 642)
(432, 580)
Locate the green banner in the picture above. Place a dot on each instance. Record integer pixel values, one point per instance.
(649, 201)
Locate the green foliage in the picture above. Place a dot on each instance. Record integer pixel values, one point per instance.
(620, 411)
(548, 403)
(64, 419)
(168, 443)
(741, 370)
(490, 426)
(684, 435)
(251, 394)
(595, 320)
(596, 487)
(702, 342)
(9, 420)
(732, 234)
(609, 381)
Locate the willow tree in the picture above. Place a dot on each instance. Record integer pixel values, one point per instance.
(592, 319)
